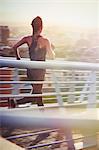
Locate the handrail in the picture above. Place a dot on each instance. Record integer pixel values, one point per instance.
(51, 64)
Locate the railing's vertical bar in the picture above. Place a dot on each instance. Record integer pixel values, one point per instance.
(97, 86)
(71, 97)
(92, 94)
(15, 90)
(57, 89)
(69, 135)
(91, 141)
(85, 88)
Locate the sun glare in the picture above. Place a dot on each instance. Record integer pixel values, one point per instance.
(78, 14)
(71, 13)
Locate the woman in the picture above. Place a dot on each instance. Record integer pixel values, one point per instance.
(38, 48)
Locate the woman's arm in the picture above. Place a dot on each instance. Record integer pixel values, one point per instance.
(50, 52)
(15, 47)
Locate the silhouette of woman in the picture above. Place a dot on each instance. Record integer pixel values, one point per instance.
(38, 48)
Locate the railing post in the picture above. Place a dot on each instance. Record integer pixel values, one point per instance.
(92, 140)
(85, 88)
(15, 78)
(57, 88)
(92, 90)
(16, 89)
(71, 97)
(69, 138)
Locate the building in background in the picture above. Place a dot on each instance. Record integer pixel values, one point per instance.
(4, 35)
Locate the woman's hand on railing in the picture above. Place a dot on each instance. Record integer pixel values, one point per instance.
(18, 57)
(16, 52)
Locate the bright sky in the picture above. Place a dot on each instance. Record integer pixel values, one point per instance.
(83, 13)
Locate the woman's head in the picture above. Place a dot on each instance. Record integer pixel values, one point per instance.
(37, 24)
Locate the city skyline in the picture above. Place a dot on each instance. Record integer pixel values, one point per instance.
(81, 13)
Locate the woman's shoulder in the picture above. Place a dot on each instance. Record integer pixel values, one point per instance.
(44, 39)
(47, 42)
(27, 37)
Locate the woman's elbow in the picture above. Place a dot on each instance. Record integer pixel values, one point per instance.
(52, 56)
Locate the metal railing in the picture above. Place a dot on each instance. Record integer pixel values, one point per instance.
(64, 82)
(73, 83)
